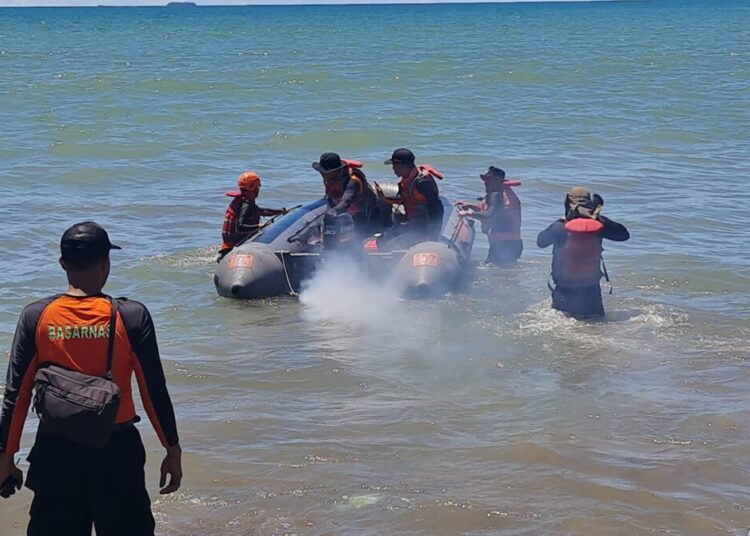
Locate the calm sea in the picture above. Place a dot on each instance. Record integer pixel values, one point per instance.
(347, 411)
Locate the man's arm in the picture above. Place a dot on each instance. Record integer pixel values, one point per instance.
(434, 205)
(613, 230)
(20, 378)
(351, 191)
(265, 212)
(552, 233)
(18, 386)
(493, 210)
(153, 388)
(149, 372)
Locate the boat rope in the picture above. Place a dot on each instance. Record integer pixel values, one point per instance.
(292, 292)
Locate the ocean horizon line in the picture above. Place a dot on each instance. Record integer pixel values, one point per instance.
(267, 3)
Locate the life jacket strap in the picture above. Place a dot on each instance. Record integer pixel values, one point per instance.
(549, 283)
(606, 276)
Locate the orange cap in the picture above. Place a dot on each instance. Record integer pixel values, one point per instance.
(249, 180)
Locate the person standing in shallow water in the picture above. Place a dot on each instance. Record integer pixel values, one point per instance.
(78, 486)
(500, 215)
(577, 253)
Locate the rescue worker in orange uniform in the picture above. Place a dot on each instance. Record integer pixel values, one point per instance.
(77, 485)
(577, 265)
(347, 191)
(500, 214)
(419, 194)
(242, 218)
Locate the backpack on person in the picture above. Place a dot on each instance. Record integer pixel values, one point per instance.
(76, 406)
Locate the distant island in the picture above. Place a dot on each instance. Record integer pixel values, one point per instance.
(181, 4)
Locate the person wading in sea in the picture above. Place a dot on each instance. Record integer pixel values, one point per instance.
(577, 264)
(500, 214)
(77, 349)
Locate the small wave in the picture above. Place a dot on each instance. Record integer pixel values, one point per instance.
(650, 324)
(655, 315)
(541, 319)
(197, 257)
(359, 501)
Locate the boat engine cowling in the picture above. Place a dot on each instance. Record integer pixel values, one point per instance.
(338, 232)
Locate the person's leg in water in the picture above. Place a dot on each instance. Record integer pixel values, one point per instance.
(579, 302)
(504, 252)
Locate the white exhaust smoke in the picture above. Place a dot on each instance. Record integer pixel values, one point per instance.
(340, 291)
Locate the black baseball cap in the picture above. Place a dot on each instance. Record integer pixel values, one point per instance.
(85, 241)
(328, 162)
(401, 156)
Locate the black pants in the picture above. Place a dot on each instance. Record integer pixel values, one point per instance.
(504, 251)
(579, 301)
(76, 488)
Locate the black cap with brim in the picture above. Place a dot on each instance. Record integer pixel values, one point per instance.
(85, 241)
(401, 156)
(493, 173)
(328, 162)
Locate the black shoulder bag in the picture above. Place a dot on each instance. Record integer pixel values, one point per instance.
(76, 406)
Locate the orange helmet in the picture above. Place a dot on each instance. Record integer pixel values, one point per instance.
(249, 180)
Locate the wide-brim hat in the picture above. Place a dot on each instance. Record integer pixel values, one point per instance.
(328, 162)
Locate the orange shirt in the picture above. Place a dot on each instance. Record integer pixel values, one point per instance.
(72, 332)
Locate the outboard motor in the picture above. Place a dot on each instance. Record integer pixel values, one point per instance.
(390, 213)
(338, 234)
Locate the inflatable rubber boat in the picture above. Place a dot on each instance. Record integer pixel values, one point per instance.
(287, 251)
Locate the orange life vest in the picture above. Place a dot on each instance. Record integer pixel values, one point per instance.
(411, 198)
(504, 229)
(237, 209)
(580, 258)
(335, 188)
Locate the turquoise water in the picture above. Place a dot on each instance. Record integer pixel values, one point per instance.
(479, 413)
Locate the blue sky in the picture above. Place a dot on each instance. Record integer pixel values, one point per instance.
(28, 3)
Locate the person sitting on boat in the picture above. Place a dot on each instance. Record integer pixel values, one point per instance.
(347, 191)
(577, 263)
(419, 194)
(242, 218)
(500, 215)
